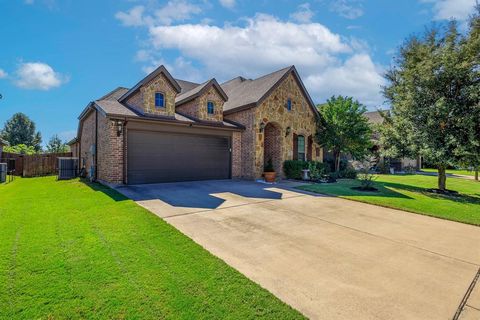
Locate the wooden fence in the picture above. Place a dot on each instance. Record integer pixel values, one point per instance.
(32, 165)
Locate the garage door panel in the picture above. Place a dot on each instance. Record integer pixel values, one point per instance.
(165, 157)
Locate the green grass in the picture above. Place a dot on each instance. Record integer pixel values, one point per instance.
(453, 171)
(408, 192)
(75, 250)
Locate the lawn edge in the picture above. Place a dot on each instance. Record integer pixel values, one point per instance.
(389, 207)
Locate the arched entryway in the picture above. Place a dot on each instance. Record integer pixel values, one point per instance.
(272, 146)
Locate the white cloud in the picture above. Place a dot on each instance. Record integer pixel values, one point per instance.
(447, 9)
(132, 18)
(3, 74)
(303, 14)
(330, 64)
(174, 10)
(37, 75)
(349, 9)
(227, 3)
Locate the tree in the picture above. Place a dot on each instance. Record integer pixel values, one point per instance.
(56, 145)
(20, 149)
(430, 89)
(343, 128)
(21, 130)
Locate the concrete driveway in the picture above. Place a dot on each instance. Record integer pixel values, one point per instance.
(327, 257)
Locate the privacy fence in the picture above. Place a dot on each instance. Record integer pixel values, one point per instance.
(32, 165)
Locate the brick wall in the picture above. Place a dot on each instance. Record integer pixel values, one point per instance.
(110, 152)
(87, 142)
(236, 155)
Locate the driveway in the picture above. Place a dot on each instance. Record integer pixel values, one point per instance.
(327, 257)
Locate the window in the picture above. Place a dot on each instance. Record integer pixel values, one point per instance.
(289, 104)
(159, 100)
(210, 107)
(301, 148)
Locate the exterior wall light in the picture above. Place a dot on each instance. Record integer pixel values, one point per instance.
(288, 131)
(119, 125)
(262, 126)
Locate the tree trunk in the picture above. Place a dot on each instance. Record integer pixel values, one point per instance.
(336, 155)
(476, 173)
(442, 178)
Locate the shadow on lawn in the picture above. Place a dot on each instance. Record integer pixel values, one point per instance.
(461, 198)
(97, 187)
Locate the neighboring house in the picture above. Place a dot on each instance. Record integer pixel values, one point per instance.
(164, 129)
(399, 164)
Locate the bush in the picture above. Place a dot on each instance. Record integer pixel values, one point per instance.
(366, 180)
(293, 169)
(348, 173)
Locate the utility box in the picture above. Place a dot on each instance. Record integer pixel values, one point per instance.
(3, 172)
(67, 168)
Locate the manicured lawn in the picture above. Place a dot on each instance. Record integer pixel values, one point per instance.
(407, 192)
(460, 172)
(69, 250)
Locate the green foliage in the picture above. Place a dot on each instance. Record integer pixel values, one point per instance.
(343, 128)
(366, 179)
(347, 173)
(268, 167)
(293, 168)
(314, 172)
(433, 90)
(21, 130)
(56, 145)
(20, 149)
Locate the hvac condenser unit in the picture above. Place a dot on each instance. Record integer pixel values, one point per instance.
(3, 172)
(67, 168)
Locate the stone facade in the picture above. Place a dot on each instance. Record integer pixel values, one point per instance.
(144, 99)
(301, 120)
(197, 107)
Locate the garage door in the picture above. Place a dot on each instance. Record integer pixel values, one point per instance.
(166, 157)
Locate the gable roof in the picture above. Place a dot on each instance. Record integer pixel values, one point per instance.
(199, 90)
(374, 117)
(186, 85)
(150, 77)
(247, 93)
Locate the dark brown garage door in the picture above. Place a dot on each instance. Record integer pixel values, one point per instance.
(166, 157)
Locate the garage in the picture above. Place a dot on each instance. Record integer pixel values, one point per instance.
(154, 157)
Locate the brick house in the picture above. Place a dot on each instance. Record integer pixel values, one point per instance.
(165, 129)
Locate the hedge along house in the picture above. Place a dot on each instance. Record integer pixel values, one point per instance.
(164, 129)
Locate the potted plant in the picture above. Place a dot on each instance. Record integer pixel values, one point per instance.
(269, 171)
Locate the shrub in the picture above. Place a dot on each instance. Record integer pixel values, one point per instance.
(366, 180)
(269, 166)
(293, 169)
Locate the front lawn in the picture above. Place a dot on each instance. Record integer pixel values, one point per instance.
(70, 250)
(452, 171)
(407, 192)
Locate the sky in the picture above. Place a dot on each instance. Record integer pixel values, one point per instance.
(58, 55)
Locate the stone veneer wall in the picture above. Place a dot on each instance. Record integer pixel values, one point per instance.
(197, 108)
(144, 99)
(110, 151)
(301, 119)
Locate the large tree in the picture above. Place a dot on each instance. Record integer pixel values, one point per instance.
(433, 103)
(21, 130)
(343, 128)
(56, 145)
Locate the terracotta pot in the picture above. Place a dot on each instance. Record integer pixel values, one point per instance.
(270, 176)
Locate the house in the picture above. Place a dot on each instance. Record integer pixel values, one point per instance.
(165, 129)
(399, 164)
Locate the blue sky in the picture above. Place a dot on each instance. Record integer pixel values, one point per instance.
(57, 55)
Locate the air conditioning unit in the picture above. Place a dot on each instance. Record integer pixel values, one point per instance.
(67, 168)
(3, 172)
